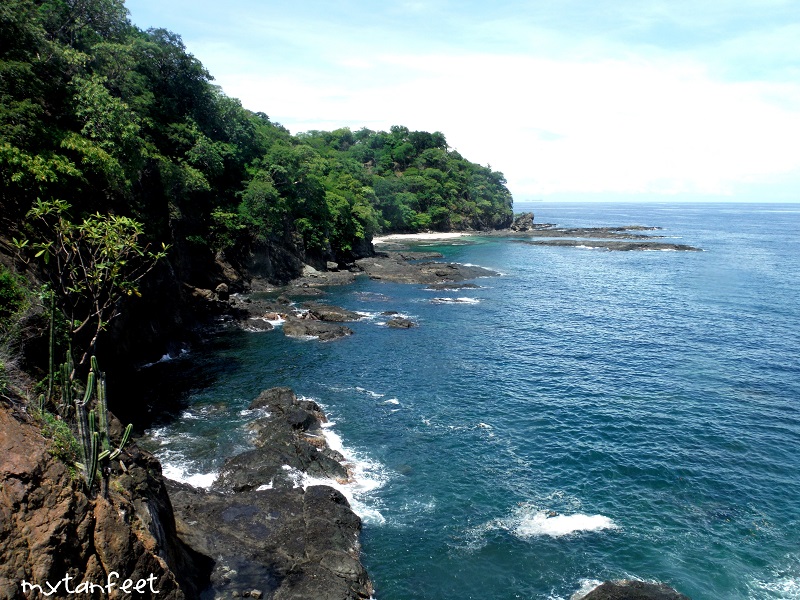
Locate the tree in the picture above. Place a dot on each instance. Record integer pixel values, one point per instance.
(92, 265)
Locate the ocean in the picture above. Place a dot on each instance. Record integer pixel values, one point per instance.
(586, 415)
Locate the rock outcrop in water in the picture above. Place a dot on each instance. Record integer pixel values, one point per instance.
(265, 532)
(288, 441)
(632, 590)
(282, 543)
(613, 245)
(522, 222)
(393, 267)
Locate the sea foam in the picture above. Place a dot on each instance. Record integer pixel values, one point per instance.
(543, 523)
(528, 521)
(462, 300)
(178, 473)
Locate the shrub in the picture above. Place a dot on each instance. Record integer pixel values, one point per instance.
(13, 297)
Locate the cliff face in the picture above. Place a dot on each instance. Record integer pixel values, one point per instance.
(284, 542)
(52, 535)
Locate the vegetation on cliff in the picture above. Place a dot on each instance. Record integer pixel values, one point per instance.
(114, 123)
(113, 119)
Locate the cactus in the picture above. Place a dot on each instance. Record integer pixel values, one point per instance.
(93, 429)
(67, 397)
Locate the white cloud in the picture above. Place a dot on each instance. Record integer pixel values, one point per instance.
(556, 127)
(626, 97)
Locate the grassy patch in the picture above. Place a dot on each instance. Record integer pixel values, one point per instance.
(63, 444)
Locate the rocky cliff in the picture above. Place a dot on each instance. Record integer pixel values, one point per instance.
(54, 536)
(257, 534)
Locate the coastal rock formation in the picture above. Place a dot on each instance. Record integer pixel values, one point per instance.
(288, 544)
(400, 323)
(522, 222)
(613, 245)
(544, 230)
(309, 328)
(632, 590)
(288, 441)
(327, 312)
(394, 268)
(263, 529)
(51, 530)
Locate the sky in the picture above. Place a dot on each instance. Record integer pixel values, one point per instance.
(570, 99)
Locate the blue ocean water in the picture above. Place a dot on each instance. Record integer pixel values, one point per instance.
(587, 415)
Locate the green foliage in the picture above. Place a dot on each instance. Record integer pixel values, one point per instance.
(227, 229)
(63, 443)
(93, 264)
(415, 182)
(125, 123)
(13, 297)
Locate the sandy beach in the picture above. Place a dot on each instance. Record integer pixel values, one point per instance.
(412, 237)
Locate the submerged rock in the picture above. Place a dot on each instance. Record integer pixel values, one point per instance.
(400, 323)
(327, 312)
(296, 327)
(632, 590)
(613, 245)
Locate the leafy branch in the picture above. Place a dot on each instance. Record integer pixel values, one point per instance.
(92, 264)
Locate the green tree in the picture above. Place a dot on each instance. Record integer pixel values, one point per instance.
(92, 265)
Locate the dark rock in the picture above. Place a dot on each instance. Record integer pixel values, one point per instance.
(270, 261)
(280, 540)
(256, 324)
(295, 327)
(633, 590)
(400, 323)
(222, 291)
(394, 268)
(289, 440)
(286, 543)
(277, 396)
(522, 222)
(301, 291)
(326, 312)
(409, 255)
(323, 278)
(613, 245)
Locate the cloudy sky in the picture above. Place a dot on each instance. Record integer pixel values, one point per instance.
(570, 99)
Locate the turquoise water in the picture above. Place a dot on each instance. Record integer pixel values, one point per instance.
(587, 415)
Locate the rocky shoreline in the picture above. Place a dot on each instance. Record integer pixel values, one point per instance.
(271, 536)
(261, 530)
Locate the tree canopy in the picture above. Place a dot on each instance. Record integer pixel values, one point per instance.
(114, 120)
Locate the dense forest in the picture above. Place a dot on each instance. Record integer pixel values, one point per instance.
(108, 130)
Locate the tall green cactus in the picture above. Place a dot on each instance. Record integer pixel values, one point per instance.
(93, 429)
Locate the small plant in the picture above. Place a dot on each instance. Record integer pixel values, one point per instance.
(13, 295)
(63, 444)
